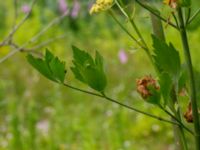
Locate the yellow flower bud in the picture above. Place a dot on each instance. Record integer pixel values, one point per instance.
(101, 5)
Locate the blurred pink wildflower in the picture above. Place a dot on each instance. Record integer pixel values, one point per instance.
(62, 5)
(25, 8)
(75, 9)
(123, 58)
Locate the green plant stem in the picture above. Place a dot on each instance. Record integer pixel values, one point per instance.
(179, 135)
(140, 36)
(176, 119)
(188, 16)
(193, 16)
(185, 44)
(155, 13)
(145, 46)
(125, 30)
(134, 26)
(119, 103)
(182, 142)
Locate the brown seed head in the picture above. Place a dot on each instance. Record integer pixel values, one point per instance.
(143, 84)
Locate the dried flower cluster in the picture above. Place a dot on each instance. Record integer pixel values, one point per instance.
(188, 114)
(101, 5)
(143, 85)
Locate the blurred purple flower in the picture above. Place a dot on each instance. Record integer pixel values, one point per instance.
(25, 8)
(75, 9)
(123, 58)
(62, 5)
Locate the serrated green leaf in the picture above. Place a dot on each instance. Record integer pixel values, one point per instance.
(99, 60)
(154, 98)
(58, 69)
(51, 67)
(77, 74)
(166, 57)
(183, 78)
(95, 78)
(166, 85)
(41, 66)
(48, 56)
(89, 71)
(81, 56)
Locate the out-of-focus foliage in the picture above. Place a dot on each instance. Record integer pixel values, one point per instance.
(37, 114)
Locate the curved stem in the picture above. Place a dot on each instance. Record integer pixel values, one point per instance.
(145, 46)
(186, 48)
(176, 119)
(121, 104)
(125, 30)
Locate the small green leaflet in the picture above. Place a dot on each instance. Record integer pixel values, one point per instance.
(89, 71)
(166, 85)
(51, 67)
(155, 96)
(166, 58)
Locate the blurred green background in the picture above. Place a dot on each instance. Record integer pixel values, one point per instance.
(36, 114)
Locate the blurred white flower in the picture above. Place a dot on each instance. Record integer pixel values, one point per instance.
(123, 58)
(155, 128)
(109, 113)
(127, 144)
(43, 126)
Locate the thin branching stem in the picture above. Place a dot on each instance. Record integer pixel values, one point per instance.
(121, 104)
(51, 40)
(155, 13)
(188, 16)
(145, 46)
(175, 18)
(17, 26)
(125, 30)
(34, 38)
(175, 118)
(193, 16)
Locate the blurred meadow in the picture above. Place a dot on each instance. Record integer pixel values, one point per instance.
(36, 114)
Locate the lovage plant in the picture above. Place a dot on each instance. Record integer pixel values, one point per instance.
(174, 77)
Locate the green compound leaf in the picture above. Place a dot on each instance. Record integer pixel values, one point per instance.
(184, 77)
(99, 60)
(41, 66)
(58, 69)
(48, 56)
(166, 85)
(51, 67)
(166, 58)
(89, 71)
(81, 56)
(154, 98)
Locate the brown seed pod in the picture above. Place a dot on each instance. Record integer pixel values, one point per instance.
(188, 114)
(143, 84)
